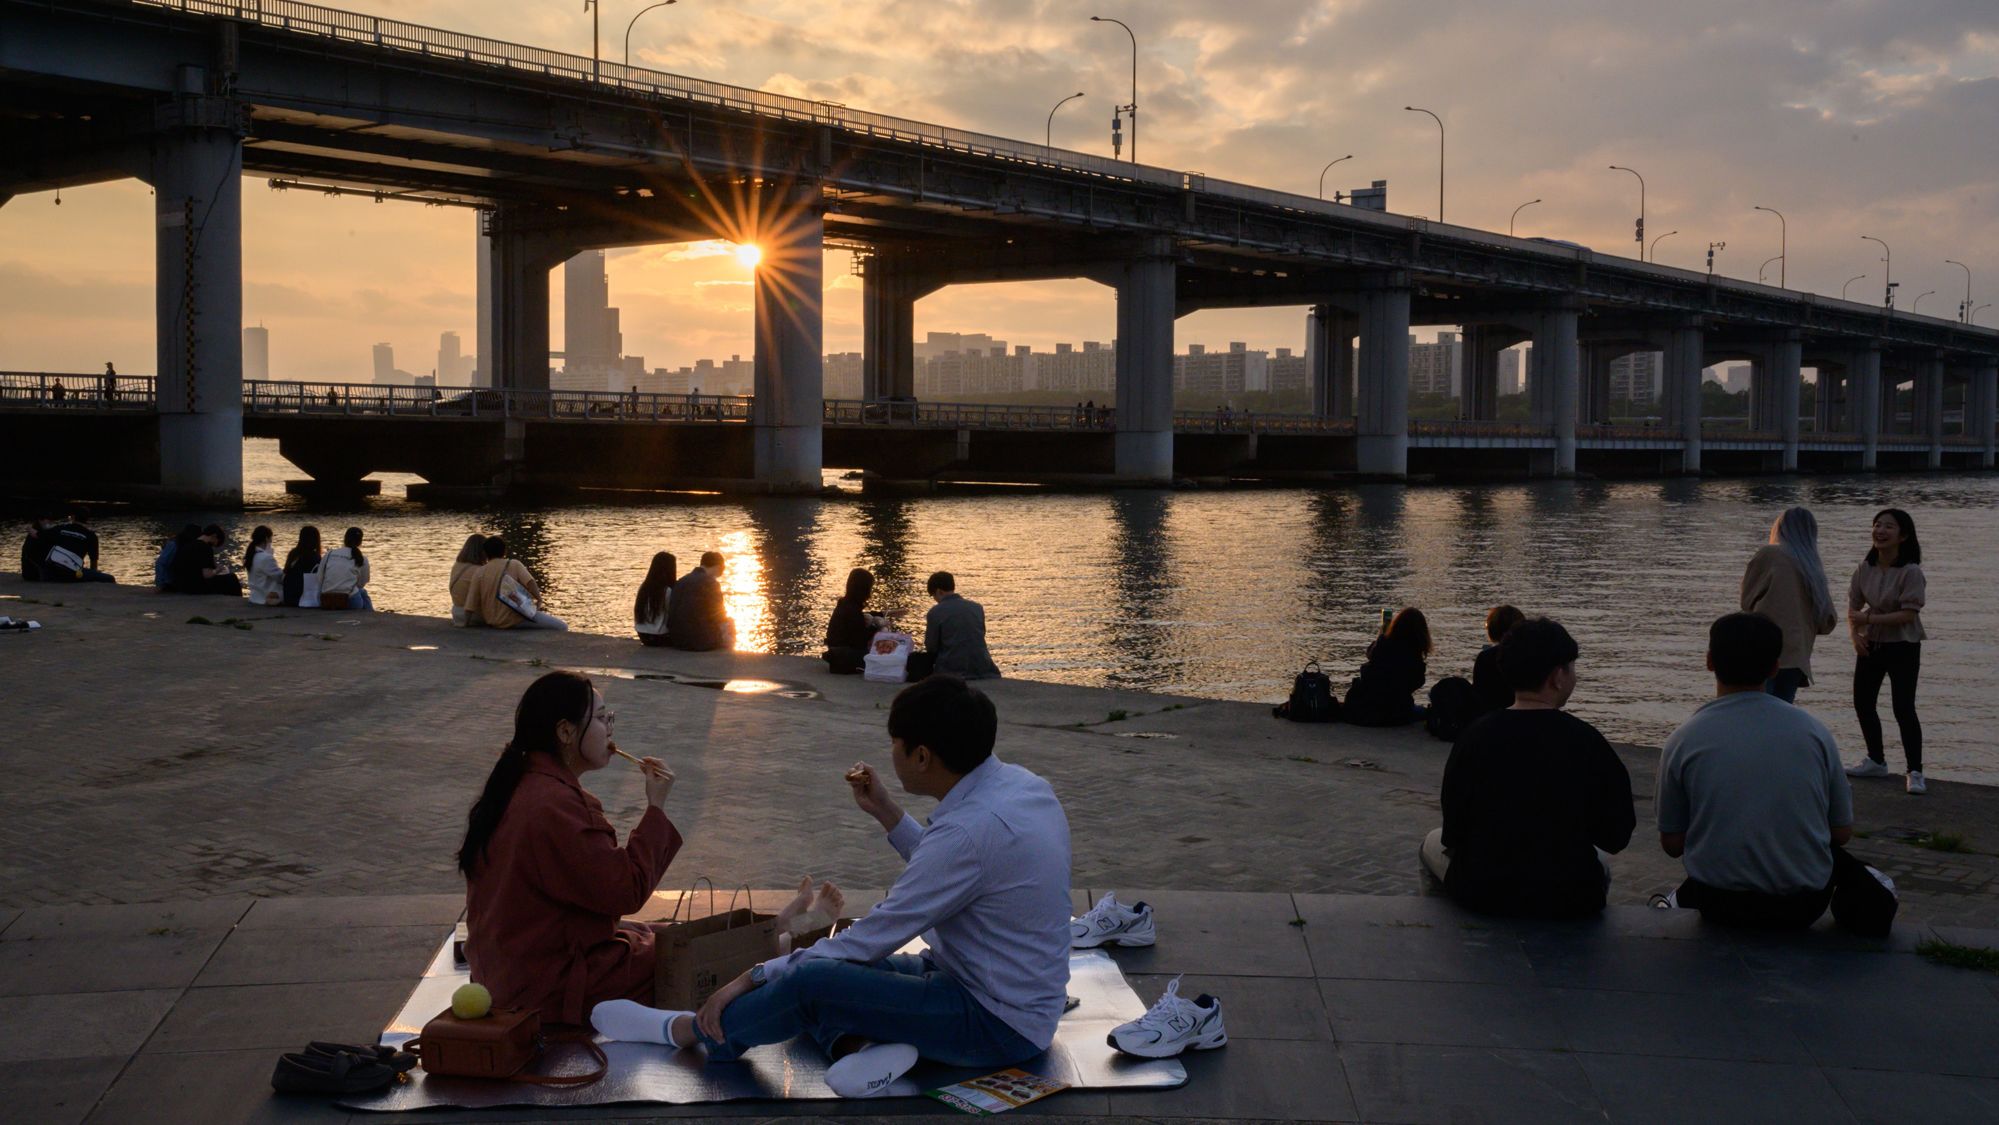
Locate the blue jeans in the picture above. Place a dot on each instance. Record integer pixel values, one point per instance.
(900, 999)
(1785, 684)
(360, 601)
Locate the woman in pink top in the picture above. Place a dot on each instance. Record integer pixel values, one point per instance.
(1884, 606)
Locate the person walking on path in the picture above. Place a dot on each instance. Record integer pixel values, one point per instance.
(1785, 582)
(1884, 607)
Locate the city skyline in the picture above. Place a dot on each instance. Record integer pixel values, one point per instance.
(1849, 120)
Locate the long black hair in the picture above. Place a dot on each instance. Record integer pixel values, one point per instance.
(549, 700)
(1910, 551)
(353, 542)
(1409, 630)
(860, 587)
(307, 550)
(660, 577)
(258, 538)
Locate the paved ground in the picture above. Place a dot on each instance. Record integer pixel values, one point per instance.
(217, 842)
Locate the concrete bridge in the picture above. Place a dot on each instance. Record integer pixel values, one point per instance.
(566, 155)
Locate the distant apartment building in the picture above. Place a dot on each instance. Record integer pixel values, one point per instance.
(1288, 372)
(732, 376)
(257, 353)
(1734, 377)
(1433, 368)
(843, 375)
(1089, 371)
(453, 366)
(1512, 362)
(1198, 371)
(1636, 377)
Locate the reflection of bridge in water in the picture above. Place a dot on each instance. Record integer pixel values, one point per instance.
(461, 440)
(564, 154)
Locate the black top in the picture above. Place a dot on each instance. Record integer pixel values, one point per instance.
(1384, 694)
(849, 627)
(295, 571)
(696, 617)
(33, 550)
(1488, 682)
(1528, 797)
(190, 560)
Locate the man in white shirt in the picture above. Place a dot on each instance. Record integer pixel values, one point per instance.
(987, 888)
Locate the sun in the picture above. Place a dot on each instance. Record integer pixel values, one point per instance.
(749, 254)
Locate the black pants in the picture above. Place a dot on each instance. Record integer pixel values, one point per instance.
(1859, 902)
(1898, 662)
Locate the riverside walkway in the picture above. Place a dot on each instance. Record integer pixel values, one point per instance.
(219, 841)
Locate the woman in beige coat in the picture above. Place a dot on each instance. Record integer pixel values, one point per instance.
(1786, 583)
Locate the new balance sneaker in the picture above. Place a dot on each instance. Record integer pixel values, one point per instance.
(1111, 922)
(1174, 1024)
(871, 1071)
(1868, 767)
(1917, 784)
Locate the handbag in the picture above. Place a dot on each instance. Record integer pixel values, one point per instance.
(308, 595)
(697, 956)
(515, 597)
(65, 559)
(333, 601)
(887, 659)
(499, 1044)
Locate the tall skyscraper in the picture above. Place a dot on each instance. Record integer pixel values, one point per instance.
(385, 363)
(1510, 363)
(257, 353)
(452, 367)
(591, 342)
(1433, 368)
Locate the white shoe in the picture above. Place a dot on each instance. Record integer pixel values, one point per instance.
(1111, 922)
(1868, 767)
(1917, 785)
(1174, 1024)
(871, 1071)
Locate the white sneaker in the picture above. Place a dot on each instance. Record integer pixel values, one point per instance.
(1868, 767)
(1111, 922)
(1174, 1024)
(1917, 785)
(871, 1071)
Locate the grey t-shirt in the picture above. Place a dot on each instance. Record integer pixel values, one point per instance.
(1757, 786)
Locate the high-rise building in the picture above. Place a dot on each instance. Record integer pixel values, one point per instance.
(1091, 371)
(1636, 376)
(1433, 368)
(1198, 371)
(1511, 362)
(452, 366)
(843, 374)
(1735, 377)
(257, 353)
(1288, 372)
(385, 363)
(591, 342)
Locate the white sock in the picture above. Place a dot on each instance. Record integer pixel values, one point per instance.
(870, 1071)
(629, 1021)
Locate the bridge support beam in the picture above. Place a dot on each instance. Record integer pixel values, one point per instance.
(197, 177)
(1329, 333)
(1982, 410)
(888, 327)
(1786, 375)
(1381, 444)
(790, 377)
(1555, 375)
(1143, 446)
(1681, 376)
(1479, 354)
(1864, 393)
(522, 249)
(1929, 406)
(1593, 405)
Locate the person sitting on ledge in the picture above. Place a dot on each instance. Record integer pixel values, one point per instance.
(1487, 681)
(1384, 694)
(344, 574)
(470, 558)
(1533, 797)
(300, 561)
(649, 607)
(954, 633)
(852, 628)
(1753, 798)
(70, 551)
(484, 595)
(198, 571)
(987, 886)
(697, 616)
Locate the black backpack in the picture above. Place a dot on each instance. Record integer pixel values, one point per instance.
(1312, 699)
(1453, 705)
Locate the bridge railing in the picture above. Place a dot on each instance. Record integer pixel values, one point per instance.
(1476, 428)
(46, 390)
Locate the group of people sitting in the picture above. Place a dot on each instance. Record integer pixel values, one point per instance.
(954, 631)
(688, 611)
(310, 577)
(61, 549)
(489, 588)
(986, 880)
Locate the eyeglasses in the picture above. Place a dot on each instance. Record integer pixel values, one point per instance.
(608, 718)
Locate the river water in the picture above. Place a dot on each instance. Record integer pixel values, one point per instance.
(1226, 594)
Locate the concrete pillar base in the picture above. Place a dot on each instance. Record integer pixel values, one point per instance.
(790, 377)
(788, 458)
(201, 459)
(1143, 449)
(1144, 457)
(1382, 455)
(1382, 387)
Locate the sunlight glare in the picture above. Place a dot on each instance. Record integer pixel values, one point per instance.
(749, 254)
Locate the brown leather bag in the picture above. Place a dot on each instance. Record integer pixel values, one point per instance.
(333, 601)
(499, 1045)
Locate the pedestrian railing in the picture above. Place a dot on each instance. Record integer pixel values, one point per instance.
(46, 391)
(1475, 428)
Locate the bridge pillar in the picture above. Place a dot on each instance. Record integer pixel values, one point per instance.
(1555, 376)
(1685, 349)
(888, 327)
(1329, 333)
(517, 264)
(1479, 355)
(1382, 443)
(1142, 449)
(1787, 387)
(1929, 405)
(1982, 410)
(790, 377)
(1864, 395)
(1593, 387)
(197, 178)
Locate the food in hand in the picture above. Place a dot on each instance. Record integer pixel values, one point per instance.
(471, 1002)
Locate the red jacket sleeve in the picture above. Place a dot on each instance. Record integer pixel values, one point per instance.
(578, 860)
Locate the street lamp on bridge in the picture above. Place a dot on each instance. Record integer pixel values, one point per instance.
(1641, 206)
(1918, 302)
(1131, 109)
(1326, 169)
(1783, 246)
(1888, 274)
(1765, 266)
(1516, 215)
(1963, 310)
(1974, 313)
(635, 20)
(1440, 156)
(1049, 140)
(1849, 284)
(1657, 241)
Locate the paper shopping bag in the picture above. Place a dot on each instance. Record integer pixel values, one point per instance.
(697, 957)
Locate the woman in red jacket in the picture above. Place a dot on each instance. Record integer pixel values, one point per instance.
(547, 886)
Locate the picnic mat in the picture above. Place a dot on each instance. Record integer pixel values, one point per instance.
(642, 1072)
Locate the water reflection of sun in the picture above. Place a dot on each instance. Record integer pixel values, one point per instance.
(742, 593)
